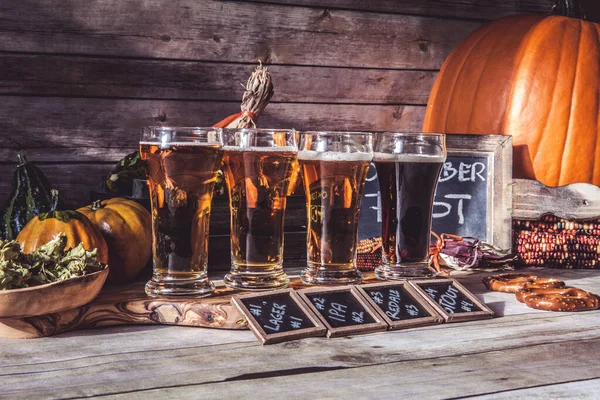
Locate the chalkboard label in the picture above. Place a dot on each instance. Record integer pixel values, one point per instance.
(399, 304)
(460, 204)
(452, 300)
(461, 198)
(343, 311)
(278, 316)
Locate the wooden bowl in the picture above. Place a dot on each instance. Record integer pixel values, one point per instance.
(51, 297)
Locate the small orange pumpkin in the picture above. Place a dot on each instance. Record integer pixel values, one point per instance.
(536, 78)
(74, 225)
(127, 229)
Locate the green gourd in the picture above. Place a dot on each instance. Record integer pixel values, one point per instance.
(120, 180)
(30, 196)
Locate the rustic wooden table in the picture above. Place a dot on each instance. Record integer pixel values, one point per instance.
(523, 353)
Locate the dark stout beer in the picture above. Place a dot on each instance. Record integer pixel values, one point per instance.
(258, 181)
(181, 177)
(333, 185)
(407, 185)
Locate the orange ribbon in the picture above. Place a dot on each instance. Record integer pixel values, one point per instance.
(233, 117)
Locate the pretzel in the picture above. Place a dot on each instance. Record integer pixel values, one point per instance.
(510, 283)
(521, 294)
(558, 299)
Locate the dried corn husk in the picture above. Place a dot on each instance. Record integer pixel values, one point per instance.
(259, 91)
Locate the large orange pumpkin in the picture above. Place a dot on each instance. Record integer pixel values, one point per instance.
(74, 225)
(127, 229)
(536, 78)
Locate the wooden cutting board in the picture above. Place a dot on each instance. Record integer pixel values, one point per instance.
(129, 305)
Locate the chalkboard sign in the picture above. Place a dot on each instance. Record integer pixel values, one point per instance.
(461, 198)
(400, 305)
(278, 316)
(474, 193)
(452, 300)
(369, 220)
(343, 311)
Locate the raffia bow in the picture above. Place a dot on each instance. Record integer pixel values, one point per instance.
(257, 95)
(463, 253)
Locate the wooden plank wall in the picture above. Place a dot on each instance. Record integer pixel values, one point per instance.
(79, 78)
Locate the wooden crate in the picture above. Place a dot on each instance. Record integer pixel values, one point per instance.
(556, 227)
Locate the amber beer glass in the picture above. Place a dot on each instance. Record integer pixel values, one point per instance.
(258, 166)
(182, 167)
(334, 166)
(408, 167)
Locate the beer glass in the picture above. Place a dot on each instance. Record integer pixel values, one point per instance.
(258, 166)
(408, 167)
(334, 166)
(182, 167)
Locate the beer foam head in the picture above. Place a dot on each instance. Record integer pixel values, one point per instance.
(333, 156)
(281, 149)
(167, 145)
(413, 158)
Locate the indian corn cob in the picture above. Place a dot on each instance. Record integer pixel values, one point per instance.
(368, 255)
(558, 243)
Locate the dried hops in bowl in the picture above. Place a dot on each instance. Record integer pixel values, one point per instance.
(51, 262)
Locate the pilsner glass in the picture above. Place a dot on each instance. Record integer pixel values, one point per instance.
(182, 167)
(334, 166)
(408, 167)
(258, 166)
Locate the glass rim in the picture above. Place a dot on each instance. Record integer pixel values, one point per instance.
(337, 133)
(412, 134)
(265, 130)
(179, 128)
(253, 138)
(200, 136)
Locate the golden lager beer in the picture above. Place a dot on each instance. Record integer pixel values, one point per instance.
(182, 166)
(333, 183)
(259, 167)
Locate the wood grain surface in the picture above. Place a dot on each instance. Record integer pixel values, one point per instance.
(577, 201)
(129, 305)
(481, 9)
(524, 354)
(92, 129)
(76, 76)
(231, 31)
